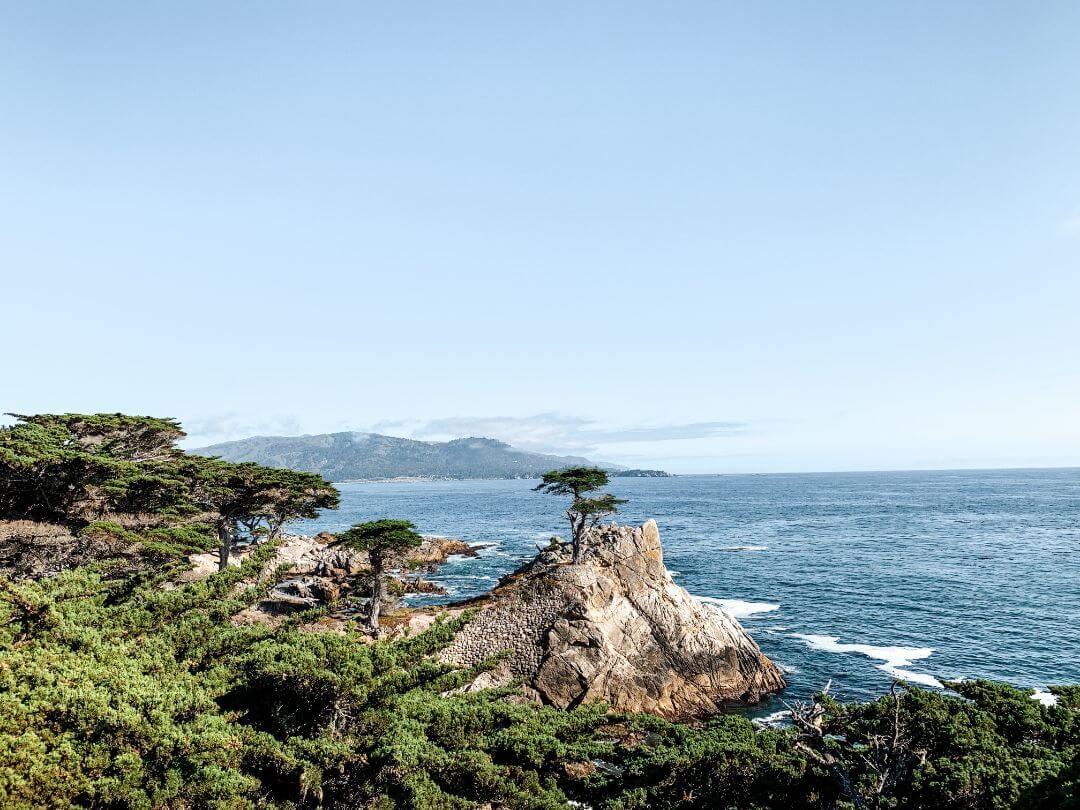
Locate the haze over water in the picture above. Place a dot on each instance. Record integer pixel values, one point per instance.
(849, 577)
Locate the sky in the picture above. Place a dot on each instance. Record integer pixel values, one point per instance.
(704, 236)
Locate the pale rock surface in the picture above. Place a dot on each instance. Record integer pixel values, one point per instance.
(614, 628)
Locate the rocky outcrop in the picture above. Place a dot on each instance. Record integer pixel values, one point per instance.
(318, 573)
(614, 628)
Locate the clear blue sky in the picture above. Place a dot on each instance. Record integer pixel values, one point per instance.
(707, 236)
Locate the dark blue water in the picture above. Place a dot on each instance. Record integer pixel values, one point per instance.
(851, 577)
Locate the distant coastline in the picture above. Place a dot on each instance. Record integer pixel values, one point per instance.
(352, 456)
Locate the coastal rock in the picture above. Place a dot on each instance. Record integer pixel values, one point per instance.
(320, 573)
(614, 628)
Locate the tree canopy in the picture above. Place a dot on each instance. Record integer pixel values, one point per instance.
(380, 536)
(380, 539)
(575, 481)
(583, 513)
(86, 469)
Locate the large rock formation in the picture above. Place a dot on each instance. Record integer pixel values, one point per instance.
(615, 628)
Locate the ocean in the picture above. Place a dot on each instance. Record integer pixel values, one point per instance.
(853, 578)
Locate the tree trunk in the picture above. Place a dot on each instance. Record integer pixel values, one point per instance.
(376, 592)
(226, 540)
(577, 529)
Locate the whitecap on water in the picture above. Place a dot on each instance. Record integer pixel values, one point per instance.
(740, 608)
(775, 719)
(893, 659)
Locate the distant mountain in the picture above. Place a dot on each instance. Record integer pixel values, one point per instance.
(642, 474)
(352, 456)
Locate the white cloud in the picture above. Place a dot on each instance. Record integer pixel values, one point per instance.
(228, 426)
(554, 432)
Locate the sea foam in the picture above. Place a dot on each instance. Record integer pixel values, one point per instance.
(744, 548)
(893, 659)
(740, 608)
(775, 719)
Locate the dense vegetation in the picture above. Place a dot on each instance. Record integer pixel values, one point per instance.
(116, 693)
(121, 477)
(121, 689)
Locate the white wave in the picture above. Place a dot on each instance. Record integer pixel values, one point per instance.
(774, 719)
(744, 548)
(740, 608)
(788, 669)
(674, 573)
(894, 659)
(1044, 697)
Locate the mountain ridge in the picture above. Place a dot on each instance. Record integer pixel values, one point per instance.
(358, 455)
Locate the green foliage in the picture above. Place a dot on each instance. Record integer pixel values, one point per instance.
(141, 697)
(165, 543)
(113, 705)
(119, 694)
(597, 508)
(380, 539)
(583, 512)
(575, 481)
(988, 746)
(78, 467)
(75, 467)
(120, 480)
(380, 536)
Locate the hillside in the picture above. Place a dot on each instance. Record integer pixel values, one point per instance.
(351, 456)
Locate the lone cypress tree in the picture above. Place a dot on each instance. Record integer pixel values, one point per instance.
(380, 539)
(583, 513)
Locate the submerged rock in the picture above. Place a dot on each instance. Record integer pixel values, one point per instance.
(614, 628)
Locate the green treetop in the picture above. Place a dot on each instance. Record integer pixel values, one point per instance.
(583, 513)
(259, 498)
(84, 469)
(380, 539)
(77, 468)
(293, 495)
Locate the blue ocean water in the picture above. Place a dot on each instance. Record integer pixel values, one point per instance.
(850, 577)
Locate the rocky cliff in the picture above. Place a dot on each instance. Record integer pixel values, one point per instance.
(615, 628)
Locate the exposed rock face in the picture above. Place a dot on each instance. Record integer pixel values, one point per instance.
(615, 628)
